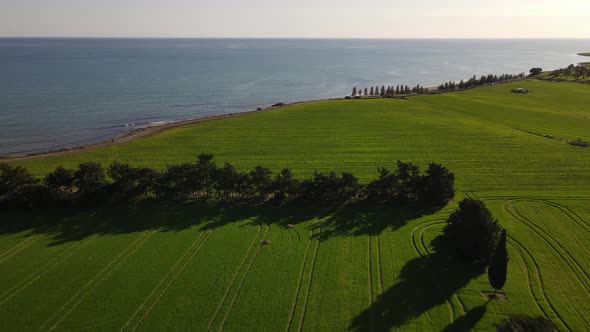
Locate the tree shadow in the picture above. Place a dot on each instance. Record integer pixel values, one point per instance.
(424, 283)
(361, 219)
(76, 223)
(468, 321)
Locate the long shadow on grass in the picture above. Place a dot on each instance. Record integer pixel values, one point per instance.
(424, 283)
(468, 321)
(75, 224)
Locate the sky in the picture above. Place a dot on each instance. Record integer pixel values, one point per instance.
(296, 18)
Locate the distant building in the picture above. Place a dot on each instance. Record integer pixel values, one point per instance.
(520, 90)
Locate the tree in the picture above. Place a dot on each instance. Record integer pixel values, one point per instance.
(524, 323)
(124, 178)
(535, 71)
(205, 173)
(407, 180)
(438, 185)
(261, 181)
(131, 182)
(16, 184)
(366, 91)
(471, 232)
(60, 183)
(285, 186)
(499, 264)
(228, 181)
(382, 91)
(372, 93)
(90, 179)
(397, 92)
(354, 91)
(178, 181)
(381, 189)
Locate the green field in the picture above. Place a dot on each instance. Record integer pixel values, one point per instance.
(185, 267)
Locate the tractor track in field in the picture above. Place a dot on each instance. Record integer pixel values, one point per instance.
(37, 274)
(513, 211)
(165, 283)
(91, 285)
(238, 291)
(298, 289)
(522, 251)
(229, 287)
(572, 263)
(420, 242)
(18, 248)
(374, 255)
(313, 265)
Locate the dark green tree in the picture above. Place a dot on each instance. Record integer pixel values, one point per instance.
(499, 264)
(60, 183)
(372, 93)
(354, 91)
(537, 71)
(285, 187)
(90, 179)
(366, 91)
(471, 232)
(16, 184)
(205, 173)
(261, 182)
(437, 185)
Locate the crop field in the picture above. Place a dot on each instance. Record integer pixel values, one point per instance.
(189, 267)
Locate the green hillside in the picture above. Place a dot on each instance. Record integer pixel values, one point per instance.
(185, 267)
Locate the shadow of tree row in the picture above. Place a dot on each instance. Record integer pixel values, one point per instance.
(424, 282)
(74, 224)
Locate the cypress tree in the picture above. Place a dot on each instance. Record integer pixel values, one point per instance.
(372, 92)
(499, 264)
(354, 91)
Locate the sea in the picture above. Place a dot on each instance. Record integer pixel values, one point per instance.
(57, 93)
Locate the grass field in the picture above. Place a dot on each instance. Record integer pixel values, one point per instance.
(185, 267)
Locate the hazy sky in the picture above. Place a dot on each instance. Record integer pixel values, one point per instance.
(297, 18)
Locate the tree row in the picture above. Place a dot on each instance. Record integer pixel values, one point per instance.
(204, 180)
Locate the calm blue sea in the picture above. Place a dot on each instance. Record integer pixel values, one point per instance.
(58, 93)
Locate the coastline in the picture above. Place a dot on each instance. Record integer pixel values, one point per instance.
(146, 132)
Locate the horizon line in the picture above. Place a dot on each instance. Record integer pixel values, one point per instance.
(298, 38)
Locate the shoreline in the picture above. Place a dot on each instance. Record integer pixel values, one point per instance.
(146, 132)
(153, 130)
